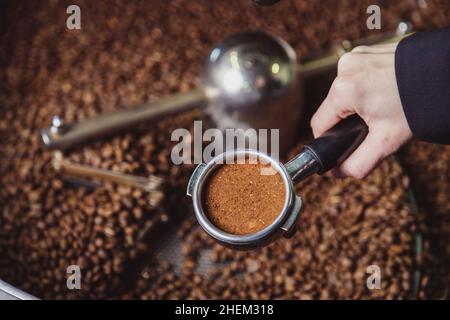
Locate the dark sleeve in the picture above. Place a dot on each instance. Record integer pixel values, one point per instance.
(422, 67)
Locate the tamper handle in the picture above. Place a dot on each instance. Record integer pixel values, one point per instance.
(336, 144)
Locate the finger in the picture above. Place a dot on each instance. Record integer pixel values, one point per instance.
(349, 63)
(379, 48)
(337, 105)
(365, 158)
(363, 48)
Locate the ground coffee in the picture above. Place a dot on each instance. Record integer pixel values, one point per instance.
(240, 200)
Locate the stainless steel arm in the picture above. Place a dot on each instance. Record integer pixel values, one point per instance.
(328, 61)
(151, 184)
(8, 292)
(62, 136)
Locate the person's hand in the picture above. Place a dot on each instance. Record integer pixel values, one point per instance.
(366, 85)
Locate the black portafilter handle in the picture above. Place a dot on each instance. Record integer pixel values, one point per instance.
(336, 144)
(265, 2)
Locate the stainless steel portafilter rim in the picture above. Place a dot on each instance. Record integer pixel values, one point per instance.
(284, 221)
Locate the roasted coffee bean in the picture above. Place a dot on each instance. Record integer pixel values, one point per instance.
(327, 259)
(128, 53)
(428, 166)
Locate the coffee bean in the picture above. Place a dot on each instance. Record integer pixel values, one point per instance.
(126, 54)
